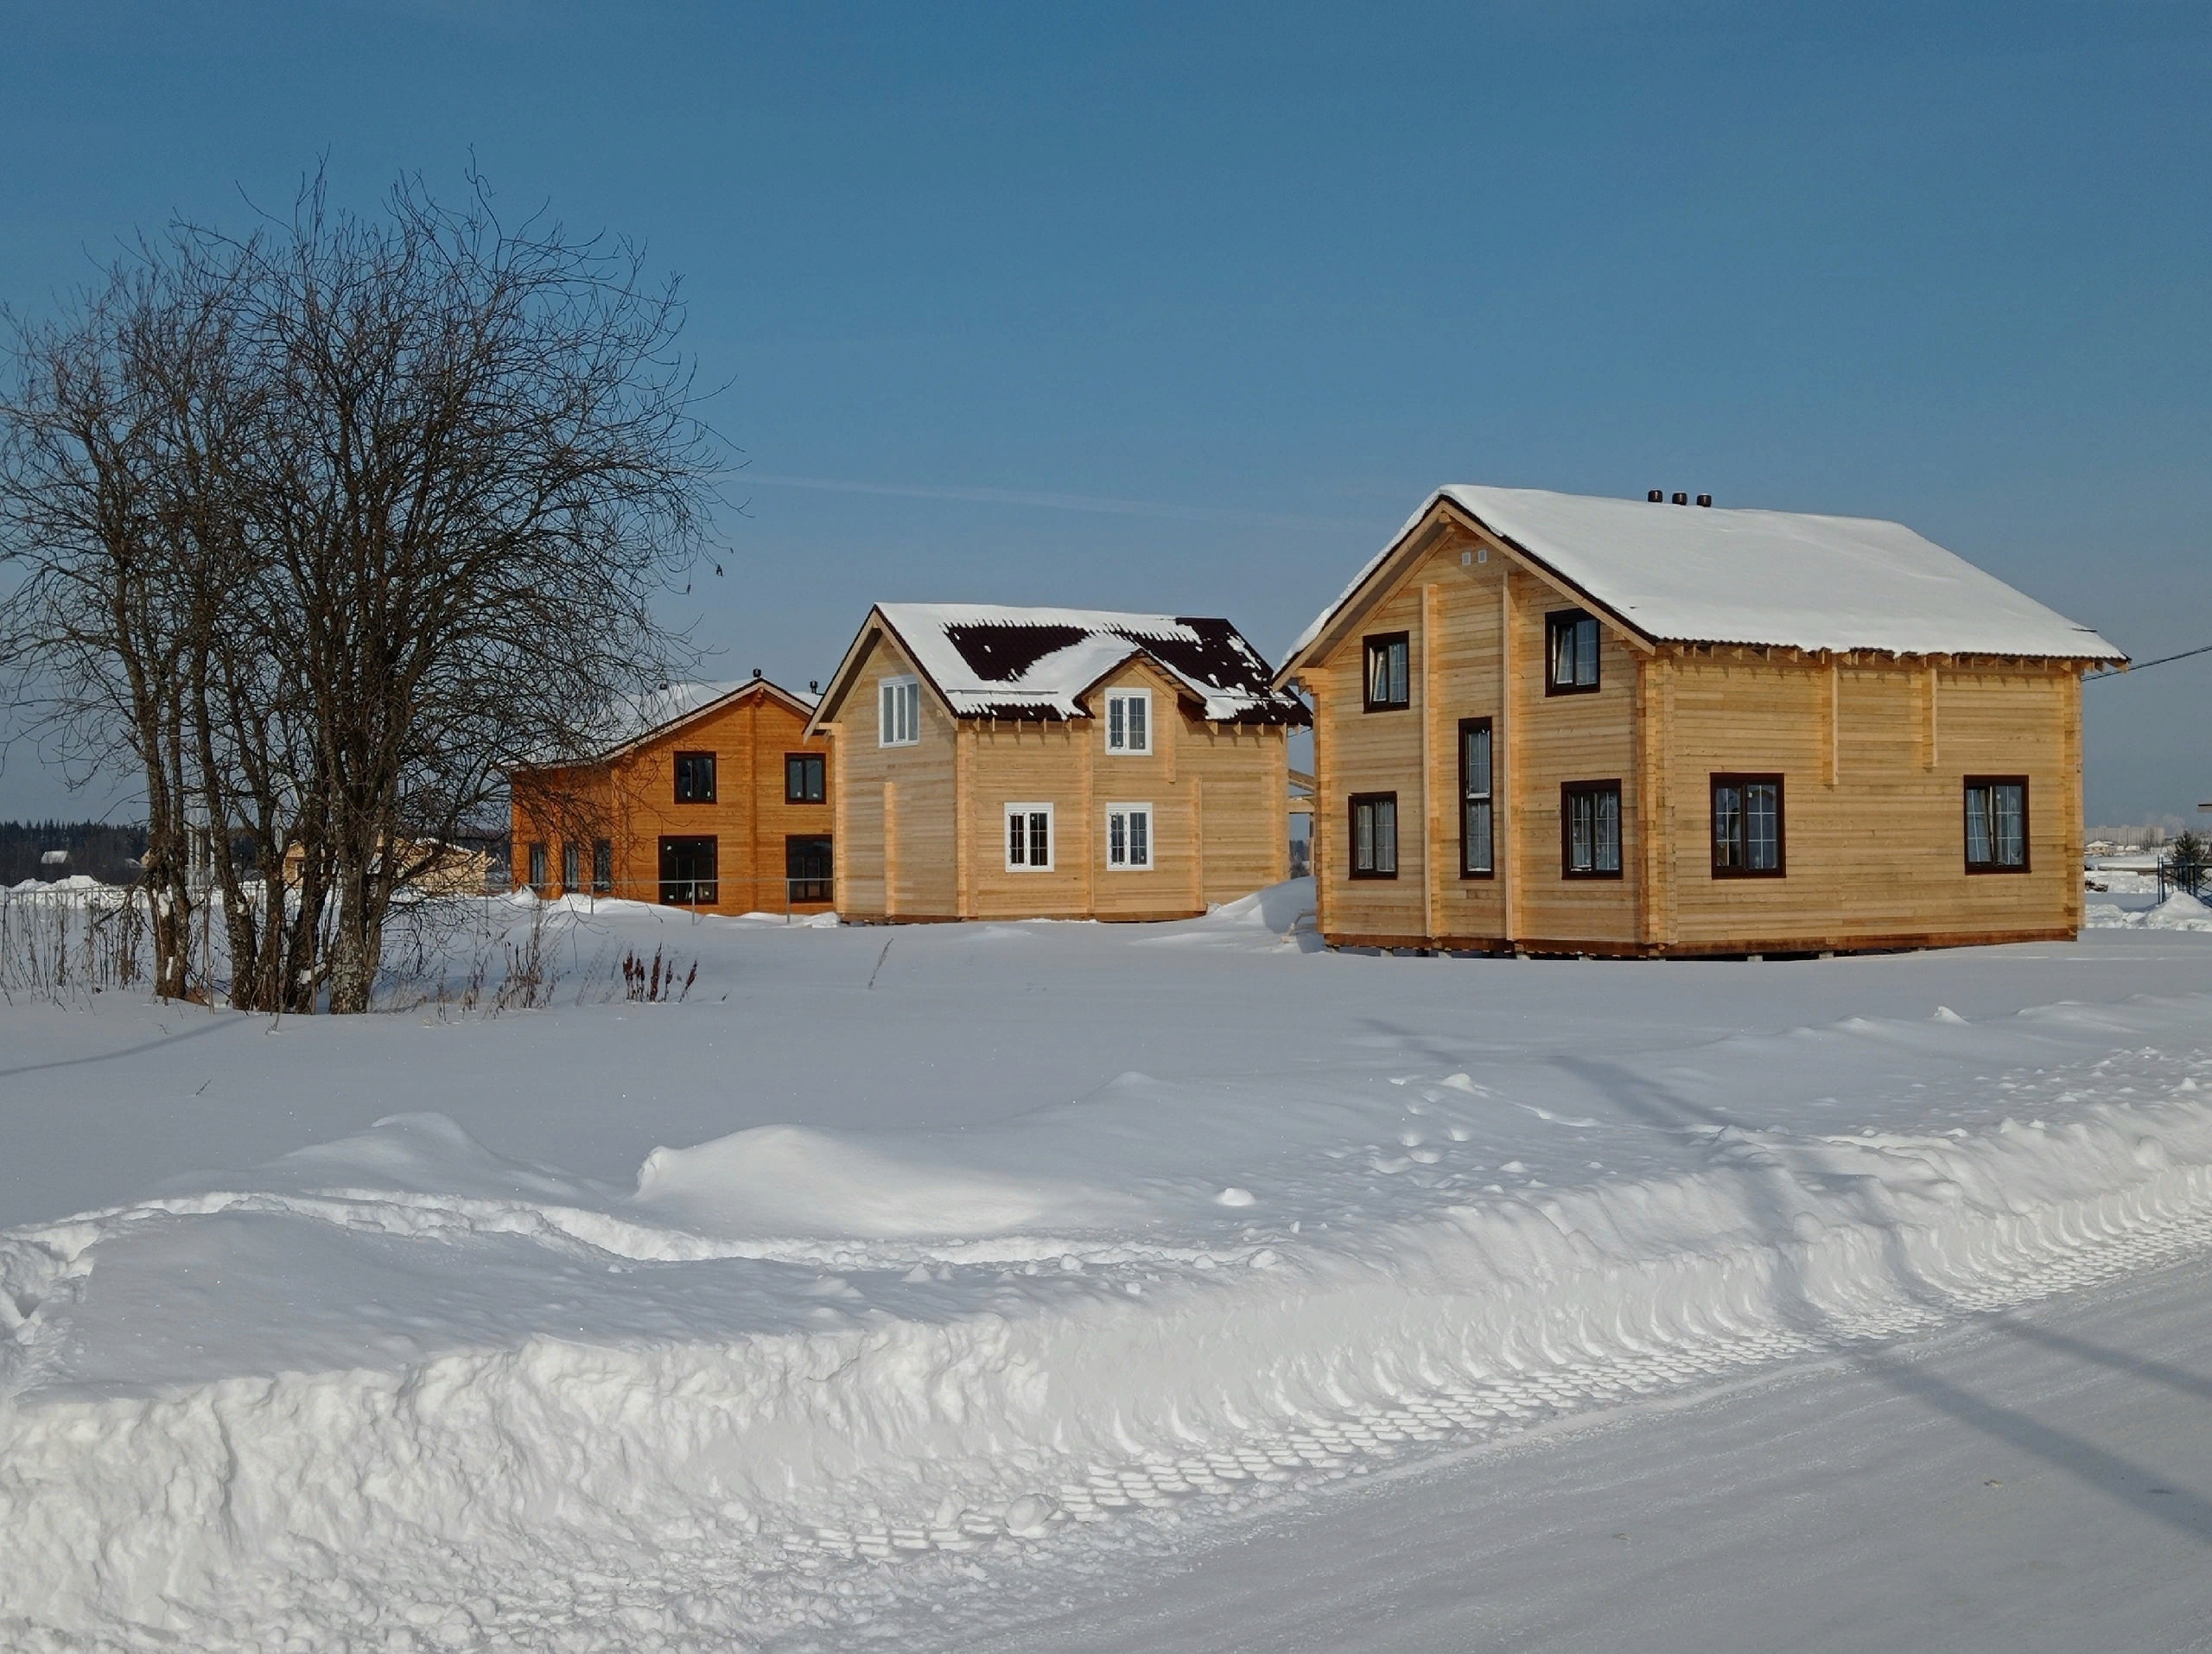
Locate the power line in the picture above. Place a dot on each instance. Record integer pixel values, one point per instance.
(2146, 665)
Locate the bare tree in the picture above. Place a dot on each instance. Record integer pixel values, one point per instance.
(481, 468)
(108, 608)
(329, 525)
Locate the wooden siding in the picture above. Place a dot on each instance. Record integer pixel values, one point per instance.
(1873, 754)
(631, 802)
(1879, 850)
(1457, 615)
(1218, 794)
(897, 801)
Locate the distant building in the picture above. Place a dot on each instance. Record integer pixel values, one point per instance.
(1019, 763)
(714, 798)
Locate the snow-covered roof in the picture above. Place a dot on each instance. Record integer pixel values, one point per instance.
(641, 717)
(1695, 574)
(988, 660)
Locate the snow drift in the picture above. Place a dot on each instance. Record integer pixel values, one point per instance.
(912, 1401)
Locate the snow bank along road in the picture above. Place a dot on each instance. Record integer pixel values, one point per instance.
(811, 1310)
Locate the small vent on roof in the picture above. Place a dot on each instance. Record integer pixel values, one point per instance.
(1681, 499)
(1705, 500)
(814, 686)
(756, 674)
(1657, 496)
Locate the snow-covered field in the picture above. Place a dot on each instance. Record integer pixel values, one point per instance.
(934, 1286)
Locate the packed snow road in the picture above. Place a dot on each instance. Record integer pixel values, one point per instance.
(897, 1278)
(2039, 1482)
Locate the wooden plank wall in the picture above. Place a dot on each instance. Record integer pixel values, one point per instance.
(1218, 793)
(1459, 614)
(910, 790)
(632, 802)
(1877, 853)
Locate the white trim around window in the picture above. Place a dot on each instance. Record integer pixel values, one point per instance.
(899, 712)
(1129, 838)
(1029, 839)
(1128, 722)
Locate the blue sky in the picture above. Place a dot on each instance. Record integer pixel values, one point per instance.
(1185, 307)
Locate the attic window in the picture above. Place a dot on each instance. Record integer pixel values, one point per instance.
(899, 712)
(1570, 652)
(1389, 687)
(1129, 720)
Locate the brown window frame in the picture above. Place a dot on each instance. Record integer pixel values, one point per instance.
(677, 769)
(1568, 792)
(1467, 726)
(572, 867)
(535, 864)
(705, 892)
(797, 763)
(1558, 620)
(602, 867)
(1368, 645)
(822, 889)
(1351, 840)
(1744, 779)
(2027, 837)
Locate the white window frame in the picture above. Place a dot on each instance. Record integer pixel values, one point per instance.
(1117, 705)
(1051, 838)
(1120, 815)
(899, 711)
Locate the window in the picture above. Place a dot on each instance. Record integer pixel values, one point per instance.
(1478, 848)
(1590, 830)
(806, 778)
(537, 866)
(1129, 720)
(899, 712)
(806, 869)
(695, 778)
(1029, 837)
(1129, 836)
(1747, 827)
(1373, 835)
(1389, 686)
(572, 867)
(687, 872)
(1570, 653)
(602, 867)
(1997, 823)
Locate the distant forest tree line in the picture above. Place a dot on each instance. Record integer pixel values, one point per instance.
(95, 849)
(321, 527)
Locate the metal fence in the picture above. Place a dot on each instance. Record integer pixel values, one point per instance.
(2193, 877)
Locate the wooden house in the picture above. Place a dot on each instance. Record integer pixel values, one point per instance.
(1549, 723)
(711, 795)
(1018, 763)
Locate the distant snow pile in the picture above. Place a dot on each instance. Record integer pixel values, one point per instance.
(2179, 912)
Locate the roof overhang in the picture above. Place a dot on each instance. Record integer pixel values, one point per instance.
(760, 686)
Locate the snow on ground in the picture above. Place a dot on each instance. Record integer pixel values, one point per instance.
(2179, 912)
(896, 1275)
